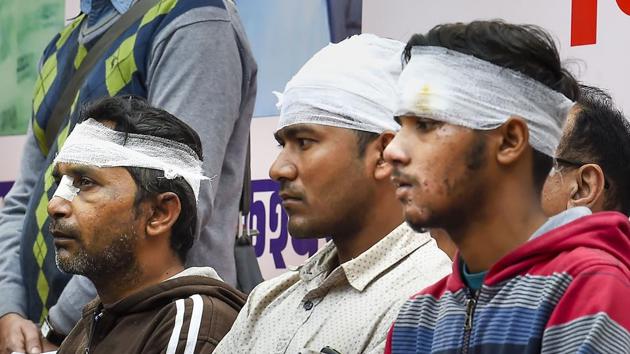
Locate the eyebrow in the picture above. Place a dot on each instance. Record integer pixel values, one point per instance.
(293, 130)
(72, 169)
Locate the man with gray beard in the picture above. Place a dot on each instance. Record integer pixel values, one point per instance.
(124, 216)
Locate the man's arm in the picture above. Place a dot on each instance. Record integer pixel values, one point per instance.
(15, 331)
(592, 315)
(196, 73)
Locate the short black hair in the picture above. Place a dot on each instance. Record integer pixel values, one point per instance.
(601, 134)
(527, 49)
(134, 115)
(364, 138)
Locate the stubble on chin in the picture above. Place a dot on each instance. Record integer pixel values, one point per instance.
(116, 260)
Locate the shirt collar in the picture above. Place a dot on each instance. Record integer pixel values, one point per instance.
(120, 5)
(560, 219)
(361, 271)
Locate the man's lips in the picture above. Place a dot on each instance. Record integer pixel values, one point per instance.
(403, 186)
(290, 199)
(61, 237)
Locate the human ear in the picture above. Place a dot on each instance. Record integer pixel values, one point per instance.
(513, 140)
(590, 187)
(164, 213)
(383, 169)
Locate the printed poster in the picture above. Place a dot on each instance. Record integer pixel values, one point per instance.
(25, 29)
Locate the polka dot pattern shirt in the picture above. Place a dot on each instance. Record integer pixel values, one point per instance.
(348, 307)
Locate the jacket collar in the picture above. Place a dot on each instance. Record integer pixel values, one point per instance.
(361, 271)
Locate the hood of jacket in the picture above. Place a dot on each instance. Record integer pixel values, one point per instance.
(607, 233)
(166, 292)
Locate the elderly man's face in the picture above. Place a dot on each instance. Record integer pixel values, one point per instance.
(324, 183)
(556, 193)
(438, 171)
(95, 233)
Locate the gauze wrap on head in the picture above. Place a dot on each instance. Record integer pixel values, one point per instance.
(94, 144)
(351, 84)
(460, 89)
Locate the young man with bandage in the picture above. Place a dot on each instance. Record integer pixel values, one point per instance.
(590, 172)
(335, 121)
(124, 216)
(481, 109)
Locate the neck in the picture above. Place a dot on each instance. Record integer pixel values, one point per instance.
(139, 277)
(504, 220)
(444, 242)
(378, 221)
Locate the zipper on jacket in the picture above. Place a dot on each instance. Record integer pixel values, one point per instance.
(92, 330)
(471, 304)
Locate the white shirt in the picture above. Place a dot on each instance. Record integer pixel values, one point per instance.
(349, 309)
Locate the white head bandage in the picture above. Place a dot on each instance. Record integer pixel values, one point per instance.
(351, 84)
(460, 89)
(94, 144)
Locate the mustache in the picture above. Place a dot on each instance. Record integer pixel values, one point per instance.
(398, 175)
(286, 189)
(63, 228)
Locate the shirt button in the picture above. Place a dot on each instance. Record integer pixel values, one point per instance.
(308, 305)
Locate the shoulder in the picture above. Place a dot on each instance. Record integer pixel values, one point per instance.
(196, 320)
(583, 261)
(431, 261)
(178, 14)
(274, 287)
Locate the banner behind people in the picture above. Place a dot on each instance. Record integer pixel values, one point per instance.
(591, 33)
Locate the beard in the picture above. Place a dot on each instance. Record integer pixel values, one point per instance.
(462, 190)
(117, 258)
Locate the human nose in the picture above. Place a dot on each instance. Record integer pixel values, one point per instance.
(395, 153)
(282, 169)
(59, 208)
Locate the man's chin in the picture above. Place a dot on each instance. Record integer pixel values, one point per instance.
(67, 263)
(417, 226)
(299, 229)
(419, 222)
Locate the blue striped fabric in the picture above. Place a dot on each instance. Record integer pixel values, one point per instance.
(509, 317)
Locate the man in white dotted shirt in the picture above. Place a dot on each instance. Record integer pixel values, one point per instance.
(335, 122)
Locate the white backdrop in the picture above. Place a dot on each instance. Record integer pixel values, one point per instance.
(601, 27)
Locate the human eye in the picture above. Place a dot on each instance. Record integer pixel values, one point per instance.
(304, 143)
(84, 183)
(426, 124)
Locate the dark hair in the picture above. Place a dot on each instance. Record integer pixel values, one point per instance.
(601, 135)
(363, 139)
(527, 49)
(134, 115)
